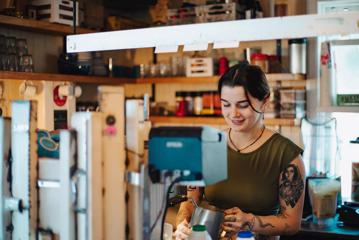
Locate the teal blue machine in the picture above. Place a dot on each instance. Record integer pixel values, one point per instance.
(197, 153)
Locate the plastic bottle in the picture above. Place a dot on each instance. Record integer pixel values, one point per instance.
(199, 232)
(245, 235)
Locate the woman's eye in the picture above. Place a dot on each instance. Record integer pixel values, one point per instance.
(225, 105)
(243, 105)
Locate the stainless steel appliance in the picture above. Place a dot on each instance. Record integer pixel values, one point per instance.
(298, 56)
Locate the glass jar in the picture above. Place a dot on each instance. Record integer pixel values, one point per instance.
(21, 47)
(10, 43)
(13, 62)
(197, 103)
(26, 64)
(260, 60)
(208, 103)
(189, 103)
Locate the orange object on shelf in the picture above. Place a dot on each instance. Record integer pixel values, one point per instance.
(208, 103)
(260, 60)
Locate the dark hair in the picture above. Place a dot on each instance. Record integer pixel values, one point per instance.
(250, 77)
(296, 174)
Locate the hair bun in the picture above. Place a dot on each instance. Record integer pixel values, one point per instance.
(243, 63)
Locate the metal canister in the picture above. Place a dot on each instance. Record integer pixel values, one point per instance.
(298, 56)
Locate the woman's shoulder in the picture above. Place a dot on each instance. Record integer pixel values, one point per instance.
(284, 148)
(281, 140)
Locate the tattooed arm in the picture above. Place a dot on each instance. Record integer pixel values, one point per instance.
(186, 208)
(291, 198)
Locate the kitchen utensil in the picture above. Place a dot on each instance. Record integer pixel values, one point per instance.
(207, 215)
(211, 218)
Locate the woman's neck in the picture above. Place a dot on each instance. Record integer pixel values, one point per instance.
(241, 139)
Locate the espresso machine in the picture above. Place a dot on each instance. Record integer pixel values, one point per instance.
(185, 156)
(157, 157)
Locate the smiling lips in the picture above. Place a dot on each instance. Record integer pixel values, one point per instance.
(237, 121)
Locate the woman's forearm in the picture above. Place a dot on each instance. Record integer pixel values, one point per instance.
(185, 212)
(273, 225)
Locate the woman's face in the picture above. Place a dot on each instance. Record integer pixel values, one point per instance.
(290, 174)
(236, 109)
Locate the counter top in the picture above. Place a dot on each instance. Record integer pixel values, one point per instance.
(332, 230)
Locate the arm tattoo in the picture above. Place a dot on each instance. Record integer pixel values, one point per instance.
(264, 225)
(282, 213)
(291, 185)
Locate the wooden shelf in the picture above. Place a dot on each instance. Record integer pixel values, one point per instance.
(272, 78)
(217, 120)
(118, 81)
(184, 80)
(40, 26)
(64, 77)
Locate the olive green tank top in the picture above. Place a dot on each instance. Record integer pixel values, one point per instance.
(253, 178)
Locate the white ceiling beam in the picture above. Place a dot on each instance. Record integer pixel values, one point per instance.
(218, 45)
(229, 31)
(166, 49)
(195, 47)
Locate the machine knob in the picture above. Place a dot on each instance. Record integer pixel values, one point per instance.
(110, 120)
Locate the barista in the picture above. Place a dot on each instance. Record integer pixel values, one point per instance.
(265, 185)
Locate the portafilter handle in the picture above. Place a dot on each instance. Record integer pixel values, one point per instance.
(180, 198)
(173, 201)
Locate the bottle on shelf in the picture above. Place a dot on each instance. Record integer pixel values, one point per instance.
(207, 103)
(197, 103)
(199, 232)
(189, 103)
(181, 105)
(260, 60)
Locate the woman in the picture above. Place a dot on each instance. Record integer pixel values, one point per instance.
(265, 185)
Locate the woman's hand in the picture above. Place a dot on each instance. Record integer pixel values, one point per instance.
(183, 230)
(235, 220)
